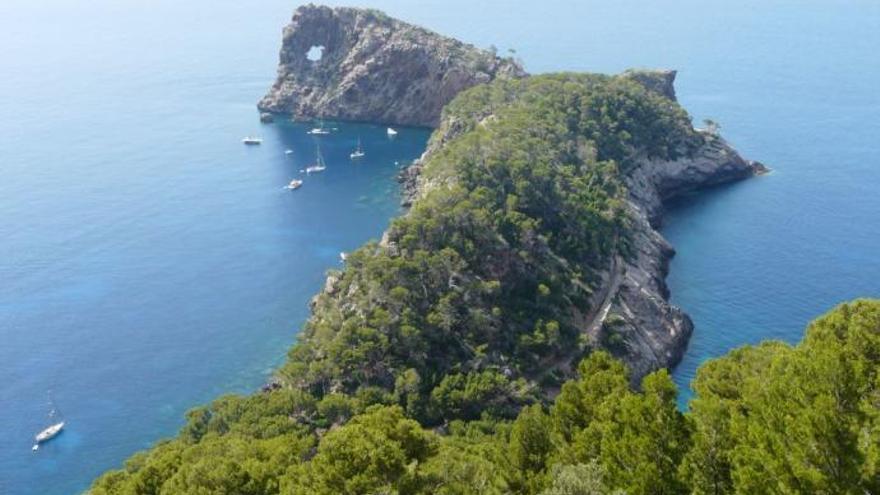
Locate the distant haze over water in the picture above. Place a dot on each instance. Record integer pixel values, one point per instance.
(149, 262)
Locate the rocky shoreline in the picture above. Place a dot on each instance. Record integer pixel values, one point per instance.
(656, 331)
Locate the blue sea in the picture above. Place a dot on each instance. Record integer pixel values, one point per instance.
(150, 262)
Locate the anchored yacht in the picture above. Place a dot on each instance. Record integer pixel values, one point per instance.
(319, 165)
(52, 431)
(320, 130)
(359, 152)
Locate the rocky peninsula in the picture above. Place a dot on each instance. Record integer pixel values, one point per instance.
(378, 69)
(372, 68)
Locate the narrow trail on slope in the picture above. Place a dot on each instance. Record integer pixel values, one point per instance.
(594, 320)
(597, 316)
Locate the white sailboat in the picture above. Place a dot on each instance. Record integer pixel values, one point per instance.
(319, 165)
(359, 152)
(52, 430)
(320, 130)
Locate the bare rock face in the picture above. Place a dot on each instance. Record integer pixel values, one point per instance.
(373, 68)
(656, 332)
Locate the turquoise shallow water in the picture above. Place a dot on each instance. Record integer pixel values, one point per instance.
(149, 261)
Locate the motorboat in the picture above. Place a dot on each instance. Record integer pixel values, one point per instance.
(251, 141)
(391, 132)
(295, 184)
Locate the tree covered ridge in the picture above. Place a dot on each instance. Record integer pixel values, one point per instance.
(770, 418)
(485, 281)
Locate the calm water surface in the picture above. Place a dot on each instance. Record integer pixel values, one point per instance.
(149, 261)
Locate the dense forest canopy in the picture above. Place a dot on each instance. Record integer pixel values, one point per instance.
(771, 418)
(424, 366)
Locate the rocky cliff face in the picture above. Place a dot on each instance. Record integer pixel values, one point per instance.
(635, 304)
(374, 68)
(656, 333)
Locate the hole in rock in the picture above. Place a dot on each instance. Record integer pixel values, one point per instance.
(315, 53)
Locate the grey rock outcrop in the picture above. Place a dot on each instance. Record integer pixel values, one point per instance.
(374, 68)
(655, 332)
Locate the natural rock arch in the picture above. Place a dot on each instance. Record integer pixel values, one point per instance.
(374, 68)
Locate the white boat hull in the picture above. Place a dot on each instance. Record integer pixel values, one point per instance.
(49, 433)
